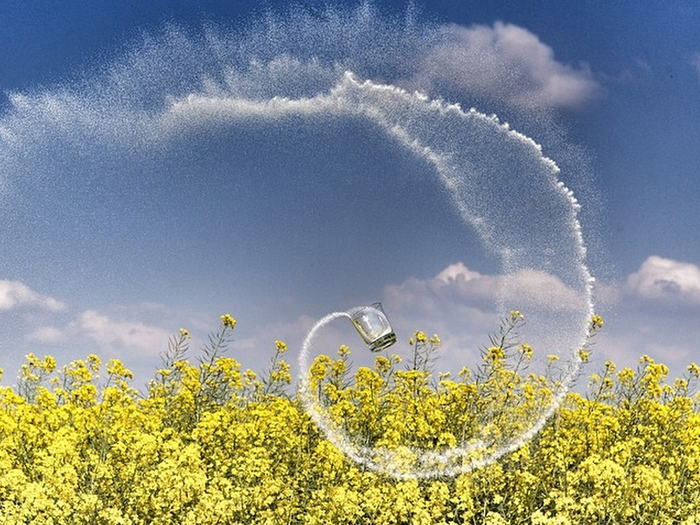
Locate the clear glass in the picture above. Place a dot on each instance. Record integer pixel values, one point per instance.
(373, 326)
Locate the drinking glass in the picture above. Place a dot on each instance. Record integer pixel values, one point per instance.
(373, 326)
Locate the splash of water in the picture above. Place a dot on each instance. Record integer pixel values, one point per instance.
(490, 172)
(344, 66)
(489, 191)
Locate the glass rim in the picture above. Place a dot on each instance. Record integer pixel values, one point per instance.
(360, 311)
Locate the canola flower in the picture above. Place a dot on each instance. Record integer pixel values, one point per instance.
(228, 321)
(209, 443)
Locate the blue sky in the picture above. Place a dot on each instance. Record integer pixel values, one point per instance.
(121, 225)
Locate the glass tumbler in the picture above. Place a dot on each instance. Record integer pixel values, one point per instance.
(374, 327)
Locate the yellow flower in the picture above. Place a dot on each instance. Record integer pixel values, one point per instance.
(49, 364)
(184, 332)
(319, 367)
(515, 315)
(382, 364)
(526, 350)
(597, 322)
(626, 376)
(280, 346)
(495, 353)
(117, 368)
(228, 321)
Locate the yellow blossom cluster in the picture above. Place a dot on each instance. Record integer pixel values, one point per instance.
(228, 321)
(208, 443)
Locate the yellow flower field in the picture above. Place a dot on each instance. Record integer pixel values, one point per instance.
(210, 443)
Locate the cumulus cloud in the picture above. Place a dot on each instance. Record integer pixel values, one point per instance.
(652, 311)
(15, 294)
(462, 306)
(507, 63)
(47, 334)
(459, 284)
(106, 331)
(659, 278)
(128, 334)
(644, 312)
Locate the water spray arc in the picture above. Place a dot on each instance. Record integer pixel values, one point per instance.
(406, 120)
(175, 89)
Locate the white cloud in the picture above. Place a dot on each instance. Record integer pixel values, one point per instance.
(128, 334)
(459, 284)
(507, 63)
(47, 334)
(653, 311)
(607, 294)
(14, 294)
(460, 304)
(107, 332)
(635, 72)
(659, 278)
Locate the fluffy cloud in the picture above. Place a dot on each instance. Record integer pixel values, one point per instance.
(128, 334)
(47, 334)
(107, 332)
(664, 279)
(461, 305)
(507, 63)
(458, 284)
(14, 294)
(653, 311)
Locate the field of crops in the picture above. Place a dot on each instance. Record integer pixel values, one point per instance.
(210, 443)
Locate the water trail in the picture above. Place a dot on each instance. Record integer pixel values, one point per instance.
(111, 140)
(490, 171)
